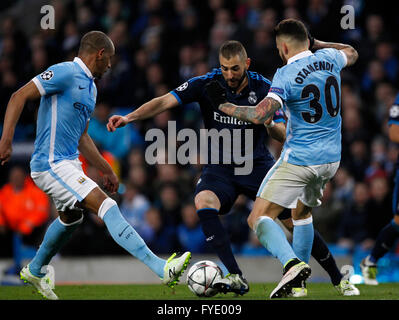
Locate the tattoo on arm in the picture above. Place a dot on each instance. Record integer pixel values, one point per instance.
(258, 115)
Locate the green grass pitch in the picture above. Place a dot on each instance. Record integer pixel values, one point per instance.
(316, 291)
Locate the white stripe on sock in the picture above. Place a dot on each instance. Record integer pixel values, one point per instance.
(107, 203)
(259, 220)
(302, 222)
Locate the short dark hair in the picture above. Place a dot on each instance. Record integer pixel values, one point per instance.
(94, 41)
(232, 48)
(292, 28)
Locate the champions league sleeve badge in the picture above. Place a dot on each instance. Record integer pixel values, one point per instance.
(47, 75)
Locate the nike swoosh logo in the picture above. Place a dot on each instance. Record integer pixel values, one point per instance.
(210, 238)
(81, 88)
(172, 273)
(120, 234)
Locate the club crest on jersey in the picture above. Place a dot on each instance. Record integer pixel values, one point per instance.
(81, 180)
(394, 111)
(47, 75)
(182, 87)
(252, 97)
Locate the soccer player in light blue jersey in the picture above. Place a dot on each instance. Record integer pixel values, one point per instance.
(308, 90)
(68, 97)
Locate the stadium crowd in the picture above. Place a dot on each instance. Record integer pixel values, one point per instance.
(161, 44)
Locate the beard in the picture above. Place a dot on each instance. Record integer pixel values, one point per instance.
(239, 82)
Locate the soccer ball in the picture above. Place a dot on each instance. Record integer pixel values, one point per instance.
(201, 276)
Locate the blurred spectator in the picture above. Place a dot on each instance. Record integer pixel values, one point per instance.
(380, 206)
(164, 239)
(374, 74)
(169, 204)
(71, 36)
(236, 223)
(353, 129)
(115, 83)
(85, 19)
(385, 53)
(115, 11)
(140, 93)
(172, 174)
(358, 159)
(253, 12)
(154, 77)
(264, 46)
(138, 176)
(222, 30)
(374, 32)
(343, 186)
(186, 69)
(23, 206)
(133, 207)
(24, 211)
(378, 160)
(118, 142)
(326, 217)
(353, 229)
(268, 20)
(384, 99)
(135, 158)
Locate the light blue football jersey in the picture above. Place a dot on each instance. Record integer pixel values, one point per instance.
(310, 89)
(68, 99)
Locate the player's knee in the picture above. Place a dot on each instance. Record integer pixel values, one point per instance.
(206, 199)
(251, 220)
(105, 206)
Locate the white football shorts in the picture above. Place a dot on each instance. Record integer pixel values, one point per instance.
(286, 183)
(65, 183)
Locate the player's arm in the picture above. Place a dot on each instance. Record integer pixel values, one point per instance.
(394, 133)
(89, 150)
(13, 112)
(276, 130)
(147, 110)
(349, 51)
(257, 115)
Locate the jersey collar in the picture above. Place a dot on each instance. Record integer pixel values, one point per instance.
(300, 55)
(83, 66)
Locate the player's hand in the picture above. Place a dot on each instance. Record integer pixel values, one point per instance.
(5, 151)
(216, 92)
(116, 122)
(110, 182)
